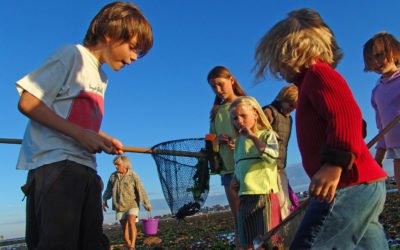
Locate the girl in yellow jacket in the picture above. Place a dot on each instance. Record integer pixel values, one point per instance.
(256, 173)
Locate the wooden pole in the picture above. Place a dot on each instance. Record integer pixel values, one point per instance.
(131, 149)
(384, 131)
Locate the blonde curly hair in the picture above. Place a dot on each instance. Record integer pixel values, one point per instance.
(296, 43)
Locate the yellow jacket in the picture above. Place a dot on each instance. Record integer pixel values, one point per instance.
(256, 171)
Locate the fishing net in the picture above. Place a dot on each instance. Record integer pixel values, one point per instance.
(184, 179)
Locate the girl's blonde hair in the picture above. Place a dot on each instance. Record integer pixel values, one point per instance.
(124, 159)
(294, 44)
(288, 94)
(262, 122)
(223, 72)
(382, 42)
(121, 22)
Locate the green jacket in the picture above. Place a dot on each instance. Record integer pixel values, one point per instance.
(222, 125)
(126, 191)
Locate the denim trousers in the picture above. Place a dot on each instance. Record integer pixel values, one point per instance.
(350, 221)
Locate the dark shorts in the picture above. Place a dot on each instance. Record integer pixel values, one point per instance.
(226, 179)
(257, 215)
(63, 207)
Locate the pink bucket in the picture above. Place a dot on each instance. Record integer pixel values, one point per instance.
(150, 226)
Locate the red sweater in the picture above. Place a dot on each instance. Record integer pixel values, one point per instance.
(328, 116)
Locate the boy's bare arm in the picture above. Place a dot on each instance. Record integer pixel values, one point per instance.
(268, 114)
(36, 110)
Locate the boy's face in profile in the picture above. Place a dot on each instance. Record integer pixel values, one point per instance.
(288, 107)
(117, 54)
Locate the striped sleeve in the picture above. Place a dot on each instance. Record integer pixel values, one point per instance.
(271, 151)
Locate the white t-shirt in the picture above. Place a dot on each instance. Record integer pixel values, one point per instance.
(72, 84)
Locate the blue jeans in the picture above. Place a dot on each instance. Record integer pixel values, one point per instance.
(349, 222)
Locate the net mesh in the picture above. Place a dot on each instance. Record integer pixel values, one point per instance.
(184, 180)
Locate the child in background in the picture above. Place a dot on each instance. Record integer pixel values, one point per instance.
(278, 114)
(256, 173)
(226, 89)
(64, 101)
(127, 192)
(382, 56)
(347, 186)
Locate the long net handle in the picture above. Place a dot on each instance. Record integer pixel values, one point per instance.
(132, 149)
(163, 152)
(10, 141)
(305, 203)
(384, 131)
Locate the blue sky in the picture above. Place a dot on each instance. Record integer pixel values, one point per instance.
(164, 96)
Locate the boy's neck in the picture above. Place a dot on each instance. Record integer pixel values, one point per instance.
(96, 52)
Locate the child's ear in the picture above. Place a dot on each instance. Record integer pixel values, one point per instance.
(232, 80)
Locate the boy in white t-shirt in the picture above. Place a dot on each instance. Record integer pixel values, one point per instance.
(64, 101)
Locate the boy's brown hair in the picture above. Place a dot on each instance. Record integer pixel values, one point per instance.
(288, 94)
(382, 42)
(121, 22)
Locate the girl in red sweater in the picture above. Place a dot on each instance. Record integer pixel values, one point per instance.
(347, 186)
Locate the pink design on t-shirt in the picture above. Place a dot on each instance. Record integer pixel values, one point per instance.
(87, 111)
